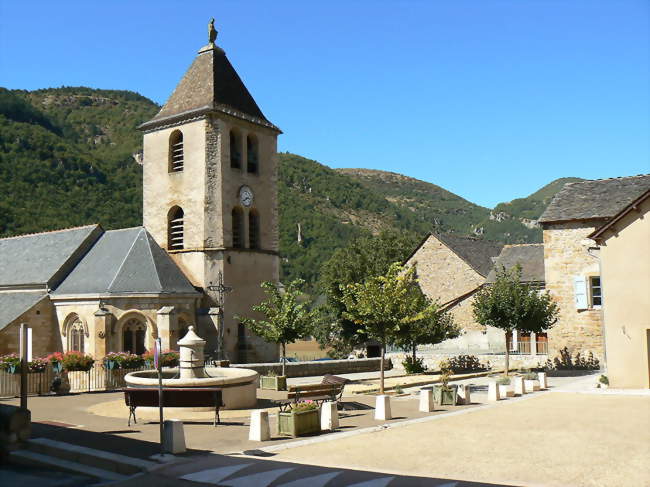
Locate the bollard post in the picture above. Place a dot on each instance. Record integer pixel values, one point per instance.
(259, 429)
(174, 436)
(426, 399)
(518, 385)
(382, 408)
(329, 416)
(493, 391)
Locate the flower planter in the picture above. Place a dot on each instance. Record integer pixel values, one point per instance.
(505, 391)
(291, 423)
(110, 364)
(57, 367)
(13, 369)
(273, 382)
(531, 385)
(445, 397)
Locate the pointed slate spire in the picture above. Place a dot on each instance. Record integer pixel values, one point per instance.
(210, 84)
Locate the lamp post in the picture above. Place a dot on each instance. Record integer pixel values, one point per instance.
(221, 291)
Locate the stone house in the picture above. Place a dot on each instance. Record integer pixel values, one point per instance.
(451, 269)
(624, 243)
(210, 215)
(571, 258)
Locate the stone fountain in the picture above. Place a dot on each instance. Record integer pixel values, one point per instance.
(238, 385)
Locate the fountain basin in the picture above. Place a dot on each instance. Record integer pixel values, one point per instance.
(238, 386)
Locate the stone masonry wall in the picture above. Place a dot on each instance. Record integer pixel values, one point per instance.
(566, 255)
(45, 331)
(444, 276)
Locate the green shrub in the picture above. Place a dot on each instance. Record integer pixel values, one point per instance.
(414, 367)
(503, 380)
(74, 361)
(603, 379)
(466, 363)
(530, 376)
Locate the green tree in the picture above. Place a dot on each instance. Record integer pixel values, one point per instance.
(510, 305)
(364, 258)
(288, 316)
(436, 326)
(382, 305)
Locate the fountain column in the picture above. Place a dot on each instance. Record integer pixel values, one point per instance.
(191, 355)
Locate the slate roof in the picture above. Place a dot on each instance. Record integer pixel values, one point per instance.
(599, 235)
(476, 252)
(211, 83)
(597, 199)
(44, 259)
(126, 261)
(529, 256)
(12, 305)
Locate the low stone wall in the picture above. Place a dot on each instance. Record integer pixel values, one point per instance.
(319, 367)
(432, 360)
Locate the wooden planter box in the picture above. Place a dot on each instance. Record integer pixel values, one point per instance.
(294, 424)
(531, 385)
(505, 390)
(445, 397)
(275, 383)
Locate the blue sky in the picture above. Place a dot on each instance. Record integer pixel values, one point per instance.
(490, 99)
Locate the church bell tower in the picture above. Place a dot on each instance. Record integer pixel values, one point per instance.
(210, 195)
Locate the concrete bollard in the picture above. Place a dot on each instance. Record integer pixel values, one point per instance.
(173, 436)
(426, 399)
(382, 408)
(259, 429)
(493, 391)
(531, 385)
(543, 384)
(464, 393)
(518, 385)
(329, 416)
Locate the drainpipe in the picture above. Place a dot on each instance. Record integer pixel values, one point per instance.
(602, 299)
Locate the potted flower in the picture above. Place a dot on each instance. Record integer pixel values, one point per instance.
(77, 361)
(10, 363)
(504, 386)
(302, 419)
(445, 394)
(273, 381)
(169, 358)
(37, 365)
(56, 360)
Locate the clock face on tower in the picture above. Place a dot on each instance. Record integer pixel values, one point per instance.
(246, 196)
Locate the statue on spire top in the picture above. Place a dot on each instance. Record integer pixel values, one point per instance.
(212, 32)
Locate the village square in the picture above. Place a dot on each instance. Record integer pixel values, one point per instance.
(193, 349)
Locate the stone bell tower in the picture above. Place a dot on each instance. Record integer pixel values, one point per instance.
(210, 194)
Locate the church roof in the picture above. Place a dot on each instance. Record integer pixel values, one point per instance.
(12, 305)
(479, 254)
(126, 261)
(529, 256)
(597, 199)
(43, 259)
(210, 84)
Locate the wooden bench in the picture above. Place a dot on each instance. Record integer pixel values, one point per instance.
(330, 389)
(173, 397)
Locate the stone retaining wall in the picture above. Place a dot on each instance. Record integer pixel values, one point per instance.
(432, 360)
(319, 367)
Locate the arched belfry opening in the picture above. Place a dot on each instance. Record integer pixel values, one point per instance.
(175, 228)
(235, 149)
(252, 154)
(237, 228)
(176, 155)
(253, 229)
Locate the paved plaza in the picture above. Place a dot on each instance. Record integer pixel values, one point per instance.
(572, 435)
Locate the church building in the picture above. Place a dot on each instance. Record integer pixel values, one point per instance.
(209, 237)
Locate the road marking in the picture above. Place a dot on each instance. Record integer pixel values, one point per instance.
(380, 482)
(262, 479)
(215, 475)
(316, 481)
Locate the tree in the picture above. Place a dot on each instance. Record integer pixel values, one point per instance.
(510, 305)
(434, 327)
(287, 318)
(382, 305)
(364, 258)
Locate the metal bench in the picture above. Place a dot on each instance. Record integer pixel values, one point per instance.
(330, 389)
(173, 397)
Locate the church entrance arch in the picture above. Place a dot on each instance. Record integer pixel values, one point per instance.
(134, 333)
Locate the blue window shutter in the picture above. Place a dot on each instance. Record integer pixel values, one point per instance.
(580, 292)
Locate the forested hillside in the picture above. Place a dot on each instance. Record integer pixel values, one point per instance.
(66, 160)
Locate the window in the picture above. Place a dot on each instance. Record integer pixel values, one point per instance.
(237, 228)
(235, 150)
(76, 335)
(176, 151)
(596, 291)
(251, 154)
(175, 228)
(253, 230)
(133, 335)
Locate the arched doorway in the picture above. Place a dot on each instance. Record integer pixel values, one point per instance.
(134, 332)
